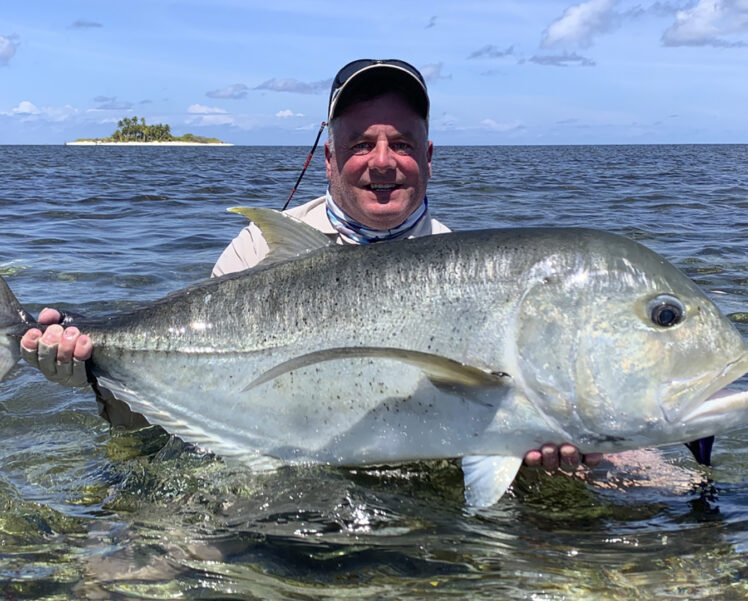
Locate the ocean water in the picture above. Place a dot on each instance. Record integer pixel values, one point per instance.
(91, 513)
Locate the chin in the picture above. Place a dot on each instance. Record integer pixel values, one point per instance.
(386, 216)
(394, 205)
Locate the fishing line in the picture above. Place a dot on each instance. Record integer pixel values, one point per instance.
(303, 169)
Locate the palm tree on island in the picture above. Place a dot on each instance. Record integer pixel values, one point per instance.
(132, 130)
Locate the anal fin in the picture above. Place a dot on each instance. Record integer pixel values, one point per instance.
(487, 478)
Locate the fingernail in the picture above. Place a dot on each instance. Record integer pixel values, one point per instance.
(70, 333)
(51, 333)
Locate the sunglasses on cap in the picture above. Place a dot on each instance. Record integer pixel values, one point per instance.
(355, 66)
(364, 64)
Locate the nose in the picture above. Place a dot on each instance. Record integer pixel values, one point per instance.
(382, 157)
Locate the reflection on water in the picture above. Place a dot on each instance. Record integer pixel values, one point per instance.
(90, 513)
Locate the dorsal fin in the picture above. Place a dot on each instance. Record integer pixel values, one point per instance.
(286, 236)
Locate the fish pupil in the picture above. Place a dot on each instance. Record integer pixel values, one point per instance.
(666, 315)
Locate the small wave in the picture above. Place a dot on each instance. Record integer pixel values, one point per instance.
(141, 197)
(12, 268)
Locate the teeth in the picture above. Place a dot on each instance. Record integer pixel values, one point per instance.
(382, 186)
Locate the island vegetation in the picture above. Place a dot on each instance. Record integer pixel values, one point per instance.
(130, 129)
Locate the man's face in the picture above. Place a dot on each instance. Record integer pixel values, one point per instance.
(380, 162)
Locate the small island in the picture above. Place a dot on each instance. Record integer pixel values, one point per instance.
(132, 132)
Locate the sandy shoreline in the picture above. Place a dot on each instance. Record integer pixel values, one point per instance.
(96, 143)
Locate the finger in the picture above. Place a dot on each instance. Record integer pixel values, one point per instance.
(49, 316)
(48, 351)
(550, 457)
(569, 456)
(30, 339)
(67, 345)
(83, 348)
(29, 345)
(533, 458)
(592, 459)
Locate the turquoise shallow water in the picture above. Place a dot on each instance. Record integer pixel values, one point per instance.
(90, 513)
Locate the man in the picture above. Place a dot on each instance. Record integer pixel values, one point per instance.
(378, 162)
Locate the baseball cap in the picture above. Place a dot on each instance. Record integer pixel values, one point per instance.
(367, 73)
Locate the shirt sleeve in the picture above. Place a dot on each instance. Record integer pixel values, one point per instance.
(245, 251)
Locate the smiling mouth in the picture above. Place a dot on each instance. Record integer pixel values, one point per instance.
(382, 187)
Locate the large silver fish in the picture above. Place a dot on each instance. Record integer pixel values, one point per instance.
(479, 345)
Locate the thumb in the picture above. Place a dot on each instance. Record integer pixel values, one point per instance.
(49, 316)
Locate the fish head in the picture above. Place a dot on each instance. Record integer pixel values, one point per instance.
(623, 350)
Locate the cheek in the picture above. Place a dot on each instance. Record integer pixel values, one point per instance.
(352, 170)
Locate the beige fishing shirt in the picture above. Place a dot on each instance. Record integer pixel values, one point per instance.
(249, 247)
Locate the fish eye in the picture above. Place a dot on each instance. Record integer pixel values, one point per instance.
(666, 311)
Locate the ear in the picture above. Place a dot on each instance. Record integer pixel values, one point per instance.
(328, 160)
(429, 154)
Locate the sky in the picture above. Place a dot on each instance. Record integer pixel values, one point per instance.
(259, 73)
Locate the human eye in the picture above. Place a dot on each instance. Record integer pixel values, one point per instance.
(361, 147)
(402, 147)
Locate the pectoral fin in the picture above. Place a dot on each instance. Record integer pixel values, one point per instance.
(446, 374)
(487, 478)
(286, 236)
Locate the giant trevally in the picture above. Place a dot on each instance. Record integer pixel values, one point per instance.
(477, 345)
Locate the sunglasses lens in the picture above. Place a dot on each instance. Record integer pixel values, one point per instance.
(355, 66)
(351, 69)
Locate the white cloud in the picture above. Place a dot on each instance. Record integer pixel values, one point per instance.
(580, 24)
(492, 125)
(562, 60)
(433, 72)
(234, 92)
(201, 109)
(212, 120)
(8, 46)
(208, 115)
(28, 111)
(59, 113)
(26, 108)
(286, 113)
(705, 24)
(295, 86)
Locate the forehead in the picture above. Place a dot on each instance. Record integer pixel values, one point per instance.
(388, 111)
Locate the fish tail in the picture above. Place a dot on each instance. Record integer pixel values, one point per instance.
(14, 320)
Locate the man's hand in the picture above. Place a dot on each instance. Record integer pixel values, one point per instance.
(60, 353)
(567, 457)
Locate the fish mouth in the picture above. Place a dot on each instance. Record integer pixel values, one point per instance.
(709, 392)
(723, 403)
